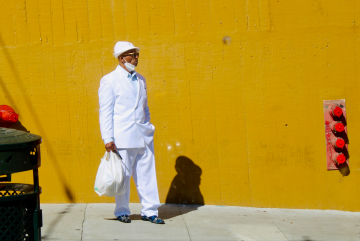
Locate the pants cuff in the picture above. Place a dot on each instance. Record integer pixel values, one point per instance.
(149, 213)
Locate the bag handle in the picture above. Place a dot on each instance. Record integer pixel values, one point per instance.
(107, 157)
(121, 160)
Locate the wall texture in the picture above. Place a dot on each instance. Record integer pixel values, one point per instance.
(249, 114)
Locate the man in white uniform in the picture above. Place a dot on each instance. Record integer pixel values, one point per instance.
(125, 127)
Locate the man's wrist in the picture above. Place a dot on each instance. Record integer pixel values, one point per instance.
(107, 140)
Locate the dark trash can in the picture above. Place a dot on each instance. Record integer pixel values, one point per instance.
(20, 213)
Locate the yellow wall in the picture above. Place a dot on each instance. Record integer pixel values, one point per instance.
(249, 114)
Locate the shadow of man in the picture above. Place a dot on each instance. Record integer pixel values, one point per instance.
(185, 188)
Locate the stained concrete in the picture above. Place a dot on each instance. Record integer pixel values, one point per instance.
(195, 223)
(62, 221)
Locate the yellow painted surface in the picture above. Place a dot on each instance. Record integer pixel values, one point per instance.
(249, 113)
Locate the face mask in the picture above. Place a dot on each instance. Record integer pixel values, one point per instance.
(129, 66)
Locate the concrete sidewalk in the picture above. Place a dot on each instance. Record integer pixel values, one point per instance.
(195, 223)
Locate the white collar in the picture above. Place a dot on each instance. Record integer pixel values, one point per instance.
(124, 72)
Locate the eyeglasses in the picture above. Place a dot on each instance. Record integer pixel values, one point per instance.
(135, 54)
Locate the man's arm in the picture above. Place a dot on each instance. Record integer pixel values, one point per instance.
(146, 109)
(106, 112)
(147, 112)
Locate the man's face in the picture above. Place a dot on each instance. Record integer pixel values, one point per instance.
(130, 56)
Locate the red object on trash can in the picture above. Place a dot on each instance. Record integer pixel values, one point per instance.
(7, 116)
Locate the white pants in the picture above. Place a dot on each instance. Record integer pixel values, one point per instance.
(140, 163)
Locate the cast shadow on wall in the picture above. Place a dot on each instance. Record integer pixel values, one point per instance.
(184, 189)
(21, 86)
(18, 126)
(344, 169)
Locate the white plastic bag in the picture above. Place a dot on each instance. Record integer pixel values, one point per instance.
(110, 176)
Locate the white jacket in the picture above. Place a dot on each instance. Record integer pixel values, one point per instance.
(124, 116)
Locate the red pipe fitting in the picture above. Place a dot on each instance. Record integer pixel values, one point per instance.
(7, 116)
(336, 111)
(339, 158)
(338, 142)
(337, 126)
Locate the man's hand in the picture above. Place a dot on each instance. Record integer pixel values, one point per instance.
(110, 147)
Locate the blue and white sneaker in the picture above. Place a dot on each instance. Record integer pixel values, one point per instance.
(124, 219)
(153, 219)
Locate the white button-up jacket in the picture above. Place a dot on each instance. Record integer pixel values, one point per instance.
(124, 116)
